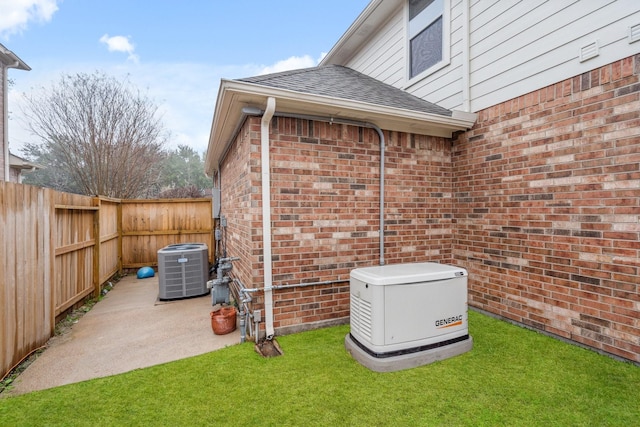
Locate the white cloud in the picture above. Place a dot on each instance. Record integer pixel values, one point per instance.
(15, 15)
(291, 63)
(120, 44)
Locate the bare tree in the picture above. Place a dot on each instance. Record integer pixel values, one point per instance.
(107, 135)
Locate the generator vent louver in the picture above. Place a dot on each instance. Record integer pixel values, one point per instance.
(183, 270)
(361, 316)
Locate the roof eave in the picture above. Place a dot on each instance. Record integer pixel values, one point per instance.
(11, 60)
(16, 162)
(366, 24)
(234, 95)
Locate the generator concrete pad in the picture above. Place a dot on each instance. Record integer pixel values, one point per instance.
(405, 361)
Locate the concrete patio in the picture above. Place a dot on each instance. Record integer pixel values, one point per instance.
(128, 329)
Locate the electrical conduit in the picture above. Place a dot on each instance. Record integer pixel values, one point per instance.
(268, 114)
(382, 150)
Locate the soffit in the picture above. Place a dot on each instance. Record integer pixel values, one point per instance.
(235, 95)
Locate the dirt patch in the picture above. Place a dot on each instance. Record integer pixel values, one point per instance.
(268, 348)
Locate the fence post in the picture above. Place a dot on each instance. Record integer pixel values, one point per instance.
(49, 257)
(96, 248)
(119, 210)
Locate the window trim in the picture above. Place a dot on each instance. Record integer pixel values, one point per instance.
(446, 44)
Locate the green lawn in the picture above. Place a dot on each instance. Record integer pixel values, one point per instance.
(512, 377)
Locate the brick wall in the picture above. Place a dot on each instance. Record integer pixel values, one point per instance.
(547, 208)
(325, 209)
(238, 200)
(540, 201)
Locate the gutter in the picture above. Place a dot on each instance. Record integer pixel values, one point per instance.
(457, 121)
(233, 95)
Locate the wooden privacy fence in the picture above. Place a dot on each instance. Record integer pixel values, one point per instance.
(149, 225)
(59, 248)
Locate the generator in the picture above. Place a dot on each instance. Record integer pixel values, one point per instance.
(407, 315)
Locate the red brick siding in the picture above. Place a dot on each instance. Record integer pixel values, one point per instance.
(540, 201)
(325, 182)
(324, 200)
(237, 202)
(547, 208)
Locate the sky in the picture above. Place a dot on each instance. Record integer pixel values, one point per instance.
(174, 51)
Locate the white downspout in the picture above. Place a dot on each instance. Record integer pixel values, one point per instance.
(266, 216)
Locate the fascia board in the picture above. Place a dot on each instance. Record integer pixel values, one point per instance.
(222, 108)
(20, 163)
(10, 59)
(233, 95)
(456, 122)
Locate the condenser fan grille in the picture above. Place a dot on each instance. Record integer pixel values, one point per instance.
(183, 270)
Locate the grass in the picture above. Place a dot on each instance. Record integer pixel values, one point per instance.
(512, 377)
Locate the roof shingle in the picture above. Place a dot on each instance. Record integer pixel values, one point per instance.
(342, 82)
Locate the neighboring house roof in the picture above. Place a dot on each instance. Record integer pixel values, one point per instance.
(342, 82)
(16, 162)
(11, 60)
(329, 91)
(8, 59)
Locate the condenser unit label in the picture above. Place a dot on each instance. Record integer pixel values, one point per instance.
(449, 322)
(182, 260)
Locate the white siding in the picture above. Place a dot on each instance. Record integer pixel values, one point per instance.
(515, 47)
(383, 56)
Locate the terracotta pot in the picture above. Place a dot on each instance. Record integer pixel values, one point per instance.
(223, 321)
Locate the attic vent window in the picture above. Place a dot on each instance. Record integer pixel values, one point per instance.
(634, 33)
(425, 35)
(589, 51)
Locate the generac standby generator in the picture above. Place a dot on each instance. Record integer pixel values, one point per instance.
(407, 315)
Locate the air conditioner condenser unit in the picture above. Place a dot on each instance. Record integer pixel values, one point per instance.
(183, 270)
(407, 315)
